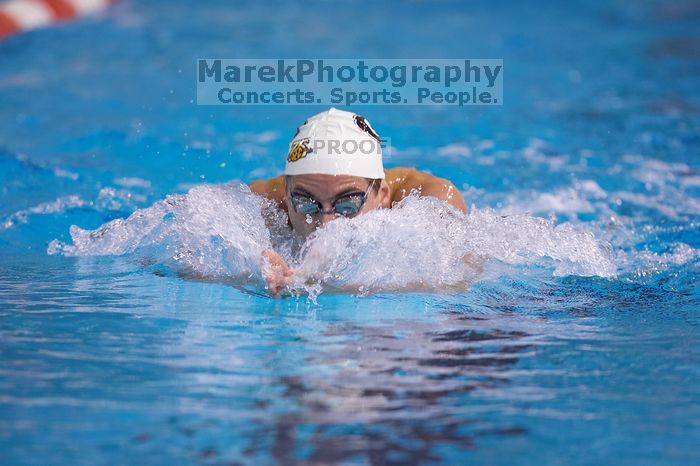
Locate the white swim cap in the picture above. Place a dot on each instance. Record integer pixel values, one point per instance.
(335, 142)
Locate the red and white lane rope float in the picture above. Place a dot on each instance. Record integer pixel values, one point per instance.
(21, 15)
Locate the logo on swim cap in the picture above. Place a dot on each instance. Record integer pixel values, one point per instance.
(299, 150)
(335, 142)
(364, 125)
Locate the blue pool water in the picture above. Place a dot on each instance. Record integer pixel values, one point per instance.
(578, 343)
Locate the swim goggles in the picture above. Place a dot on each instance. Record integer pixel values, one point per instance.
(346, 205)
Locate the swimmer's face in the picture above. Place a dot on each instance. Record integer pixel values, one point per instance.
(329, 189)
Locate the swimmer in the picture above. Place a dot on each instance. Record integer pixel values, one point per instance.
(334, 168)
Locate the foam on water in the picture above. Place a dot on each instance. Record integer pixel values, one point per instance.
(212, 231)
(220, 231)
(59, 205)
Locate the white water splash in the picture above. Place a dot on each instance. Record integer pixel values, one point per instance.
(220, 232)
(424, 243)
(212, 231)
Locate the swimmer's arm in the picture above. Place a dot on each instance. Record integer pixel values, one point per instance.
(277, 272)
(272, 189)
(445, 190)
(408, 179)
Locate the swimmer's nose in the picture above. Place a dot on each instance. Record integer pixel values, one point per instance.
(325, 218)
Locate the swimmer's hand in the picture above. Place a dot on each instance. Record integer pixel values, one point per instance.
(278, 274)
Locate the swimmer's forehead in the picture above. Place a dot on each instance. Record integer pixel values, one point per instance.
(313, 183)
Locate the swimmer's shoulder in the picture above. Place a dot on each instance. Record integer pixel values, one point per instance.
(403, 180)
(272, 189)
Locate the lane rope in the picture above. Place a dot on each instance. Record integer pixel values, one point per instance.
(22, 15)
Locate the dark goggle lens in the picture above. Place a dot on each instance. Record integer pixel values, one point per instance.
(305, 205)
(346, 205)
(349, 205)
